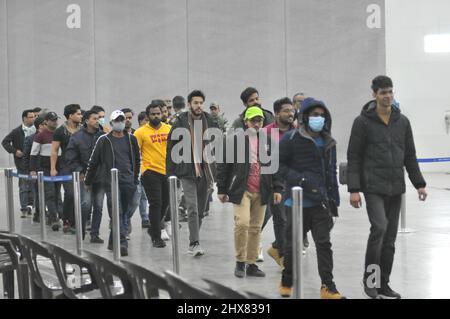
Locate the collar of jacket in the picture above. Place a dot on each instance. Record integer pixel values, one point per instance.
(184, 121)
(87, 132)
(370, 111)
(329, 140)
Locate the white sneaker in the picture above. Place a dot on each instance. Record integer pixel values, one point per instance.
(260, 255)
(168, 228)
(196, 250)
(164, 235)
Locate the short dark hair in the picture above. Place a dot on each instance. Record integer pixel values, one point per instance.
(37, 109)
(245, 95)
(71, 109)
(142, 116)
(87, 115)
(127, 110)
(297, 94)
(381, 82)
(178, 103)
(278, 104)
(155, 104)
(98, 109)
(38, 122)
(196, 93)
(25, 113)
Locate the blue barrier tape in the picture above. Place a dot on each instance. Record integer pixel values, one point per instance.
(67, 178)
(433, 160)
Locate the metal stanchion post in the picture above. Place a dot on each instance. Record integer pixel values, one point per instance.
(77, 206)
(174, 214)
(115, 213)
(10, 200)
(297, 241)
(403, 229)
(41, 194)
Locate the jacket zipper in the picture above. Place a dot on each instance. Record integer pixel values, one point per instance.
(232, 182)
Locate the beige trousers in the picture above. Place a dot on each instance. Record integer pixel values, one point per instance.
(248, 219)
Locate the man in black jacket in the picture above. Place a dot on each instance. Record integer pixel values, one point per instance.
(119, 150)
(381, 145)
(13, 144)
(195, 172)
(249, 188)
(77, 157)
(250, 97)
(27, 146)
(308, 159)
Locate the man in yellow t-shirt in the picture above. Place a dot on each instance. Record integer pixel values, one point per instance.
(152, 140)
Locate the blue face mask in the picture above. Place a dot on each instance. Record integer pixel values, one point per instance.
(316, 124)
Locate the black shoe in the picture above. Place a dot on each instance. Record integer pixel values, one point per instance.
(36, 218)
(385, 292)
(145, 224)
(159, 243)
(239, 271)
(206, 214)
(97, 240)
(369, 292)
(24, 213)
(29, 210)
(56, 226)
(254, 271)
(123, 251)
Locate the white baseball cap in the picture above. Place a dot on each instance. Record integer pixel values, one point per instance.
(117, 114)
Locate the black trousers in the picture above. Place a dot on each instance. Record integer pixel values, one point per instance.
(157, 191)
(383, 212)
(68, 204)
(319, 221)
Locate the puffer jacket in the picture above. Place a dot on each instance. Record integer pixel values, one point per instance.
(302, 164)
(378, 153)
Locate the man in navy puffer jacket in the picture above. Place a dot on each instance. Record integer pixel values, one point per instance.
(308, 159)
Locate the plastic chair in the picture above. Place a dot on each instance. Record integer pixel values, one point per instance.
(223, 292)
(104, 271)
(184, 290)
(146, 283)
(8, 263)
(61, 258)
(39, 288)
(20, 267)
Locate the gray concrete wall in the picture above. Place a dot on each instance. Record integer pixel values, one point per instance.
(130, 52)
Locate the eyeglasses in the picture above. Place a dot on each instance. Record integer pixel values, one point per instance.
(257, 120)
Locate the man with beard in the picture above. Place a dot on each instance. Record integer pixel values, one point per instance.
(284, 119)
(250, 97)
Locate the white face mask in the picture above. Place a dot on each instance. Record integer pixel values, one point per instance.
(101, 121)
(118, 126)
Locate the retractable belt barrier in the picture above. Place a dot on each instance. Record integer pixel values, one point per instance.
(54, 179)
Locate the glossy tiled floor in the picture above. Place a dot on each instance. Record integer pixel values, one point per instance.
(420, 270)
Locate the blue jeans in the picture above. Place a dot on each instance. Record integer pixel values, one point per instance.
(94, 199)
(126, 195)
(139, 199)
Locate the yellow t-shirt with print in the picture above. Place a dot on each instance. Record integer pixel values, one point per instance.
(153, 145)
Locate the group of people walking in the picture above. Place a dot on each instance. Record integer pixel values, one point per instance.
(254, 165)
